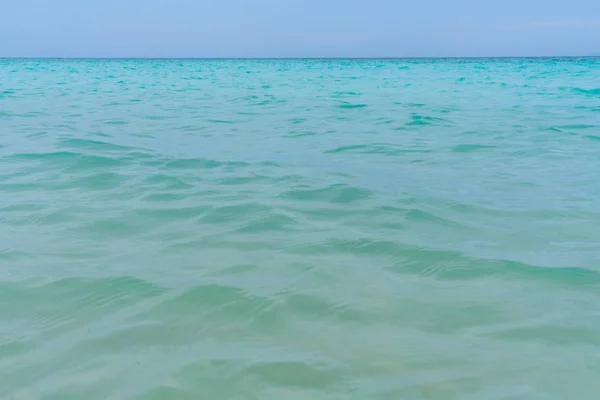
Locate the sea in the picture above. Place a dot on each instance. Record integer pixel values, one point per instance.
(420, 229)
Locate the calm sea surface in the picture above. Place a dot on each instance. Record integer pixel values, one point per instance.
(300, 229)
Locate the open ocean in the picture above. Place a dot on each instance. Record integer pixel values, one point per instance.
(300, 229)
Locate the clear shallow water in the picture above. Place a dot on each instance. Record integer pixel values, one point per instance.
(300, 229)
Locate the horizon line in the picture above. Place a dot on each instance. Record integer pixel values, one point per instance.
(298, 58)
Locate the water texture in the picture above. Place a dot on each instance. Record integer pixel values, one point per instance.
(300, 229)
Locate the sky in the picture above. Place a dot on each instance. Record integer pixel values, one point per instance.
(298, 28)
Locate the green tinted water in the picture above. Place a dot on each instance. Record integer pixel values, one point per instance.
(300, 229)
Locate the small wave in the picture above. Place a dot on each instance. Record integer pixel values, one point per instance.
(96, 181)
(422, 120)
(75, 143)
(236, 270)
(578, 126)
(162, 197)
(70, 161)
(548, 333)
(383, 149)
(164, 180)
(358, 247)
(300, 134)
(157, 117)
(268, 223)
(453, 265)
(298, 120)
(113, 226)
(314, 305)
(416, 215)
(350, 148)
(241, 180)
(554, 129)
(338, 193)
(81, 290)
(84, 163)
(234, 213)
(173, 214)
(199, 163)
(352, 106)
(336, 94)
(141, 158)
(220, 121)
(467, 148)
(587, 92)
(221, 301)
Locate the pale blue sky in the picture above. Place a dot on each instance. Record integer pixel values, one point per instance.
(298, 28)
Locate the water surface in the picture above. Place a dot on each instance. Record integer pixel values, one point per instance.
(300, 229)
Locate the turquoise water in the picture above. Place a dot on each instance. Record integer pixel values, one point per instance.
(300, 229)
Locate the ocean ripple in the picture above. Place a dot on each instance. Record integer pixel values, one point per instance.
(295, 229)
